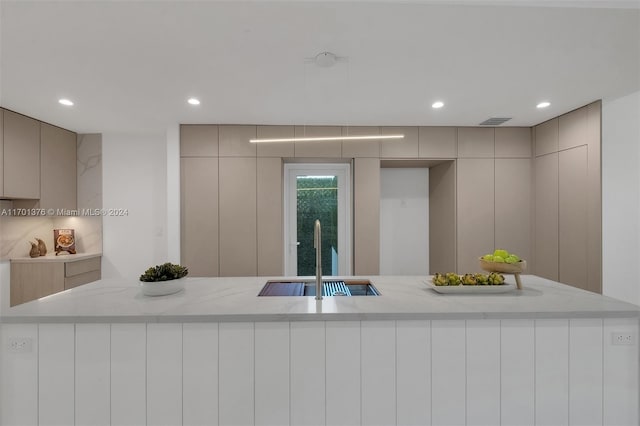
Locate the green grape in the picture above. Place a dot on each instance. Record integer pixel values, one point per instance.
(502, 253)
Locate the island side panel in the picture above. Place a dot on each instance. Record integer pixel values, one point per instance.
(92, 371)
(550, 371)
(200, 374)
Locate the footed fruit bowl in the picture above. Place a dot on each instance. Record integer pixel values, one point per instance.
(505, 268)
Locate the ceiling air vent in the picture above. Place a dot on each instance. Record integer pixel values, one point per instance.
(494, 121)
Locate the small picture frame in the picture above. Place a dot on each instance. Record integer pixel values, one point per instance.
(64, 240)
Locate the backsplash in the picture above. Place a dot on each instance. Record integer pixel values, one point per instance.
(16, 232)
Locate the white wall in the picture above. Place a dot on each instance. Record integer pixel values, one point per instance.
(621, 198)
(134, 178)
(404, 221)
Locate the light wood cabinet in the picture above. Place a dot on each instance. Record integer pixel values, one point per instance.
(199, 218)
(513, 206)
(475, 212)
(21, 162)
(356, 148)
(513, 142)
(233, 141)
(476, 142)
(198, 140)
(546, 216)
(237, 210)
(270, 237)
(546, 137)
(437, 142)
(321, 149)
(399, 148)
(442, 217)
(573, 129)
(58, 186)
(275, 149)
(33, 279)
(573, 187)
(366, 222)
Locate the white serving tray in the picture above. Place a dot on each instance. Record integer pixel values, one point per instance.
(472, 289)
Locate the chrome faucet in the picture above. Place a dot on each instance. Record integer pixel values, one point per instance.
(317, 244)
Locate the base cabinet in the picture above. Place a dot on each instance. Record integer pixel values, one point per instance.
(413, 372)
(33, 280)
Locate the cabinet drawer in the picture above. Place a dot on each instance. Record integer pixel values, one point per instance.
(81, 266)
(84, 278)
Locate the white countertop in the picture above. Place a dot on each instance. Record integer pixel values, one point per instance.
(51, 257)
(235, 299)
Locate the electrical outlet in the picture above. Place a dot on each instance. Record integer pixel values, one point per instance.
(622, 338)
(20, 345)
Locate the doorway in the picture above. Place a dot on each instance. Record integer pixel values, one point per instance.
(317, 191)
(404, 221)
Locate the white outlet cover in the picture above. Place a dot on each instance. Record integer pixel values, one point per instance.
(623, 338)
(20, 344)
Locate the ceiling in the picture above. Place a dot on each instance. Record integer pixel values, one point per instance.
(130, 66)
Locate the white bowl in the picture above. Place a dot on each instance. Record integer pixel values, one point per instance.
(162, 288)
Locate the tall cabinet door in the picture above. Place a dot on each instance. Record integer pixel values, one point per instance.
(199, 198)
(270, 237)
(57, 168)
(546, 216)
(21, 156)
(475, 201)
(572, 216)
(238, 228)
(513, 205)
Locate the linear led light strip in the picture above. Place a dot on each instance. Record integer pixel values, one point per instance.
(328, 138)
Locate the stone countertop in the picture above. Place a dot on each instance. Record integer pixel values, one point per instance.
(51, 257)
(235, 299)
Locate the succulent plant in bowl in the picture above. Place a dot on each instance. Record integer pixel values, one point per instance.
(161, 280)
(165, 272)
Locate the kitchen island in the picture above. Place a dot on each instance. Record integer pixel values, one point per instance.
(216, 353)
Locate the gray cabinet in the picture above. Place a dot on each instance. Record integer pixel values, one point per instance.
(366, 216)
(513, 206)
(546, 216)
(237, 216)
(58, 186)
(573, 187)
(320, 149)
(399, 148)
(33, 279)
(442, 217)
(199, 217)
(476, 142)
(437, 142)
(475, 212)
(269, 225)
(21, 162)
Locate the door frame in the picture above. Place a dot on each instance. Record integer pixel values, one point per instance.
(343, 171)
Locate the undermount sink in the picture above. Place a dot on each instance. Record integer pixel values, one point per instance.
(308, 288)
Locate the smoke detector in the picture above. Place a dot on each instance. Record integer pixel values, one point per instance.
(325, 59)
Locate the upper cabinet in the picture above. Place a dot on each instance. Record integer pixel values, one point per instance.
(37, 163)
(21, 159)
(400, 148)
(57, 168)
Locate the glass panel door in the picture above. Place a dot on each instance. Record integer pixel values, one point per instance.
(317, 191)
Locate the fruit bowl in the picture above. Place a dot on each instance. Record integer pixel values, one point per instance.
(505, 268)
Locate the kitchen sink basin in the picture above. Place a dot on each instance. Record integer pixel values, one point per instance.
(329, 288)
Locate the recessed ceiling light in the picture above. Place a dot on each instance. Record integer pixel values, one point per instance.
(66, 102)
(438, 104)
(193, 101)
(543, 104)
